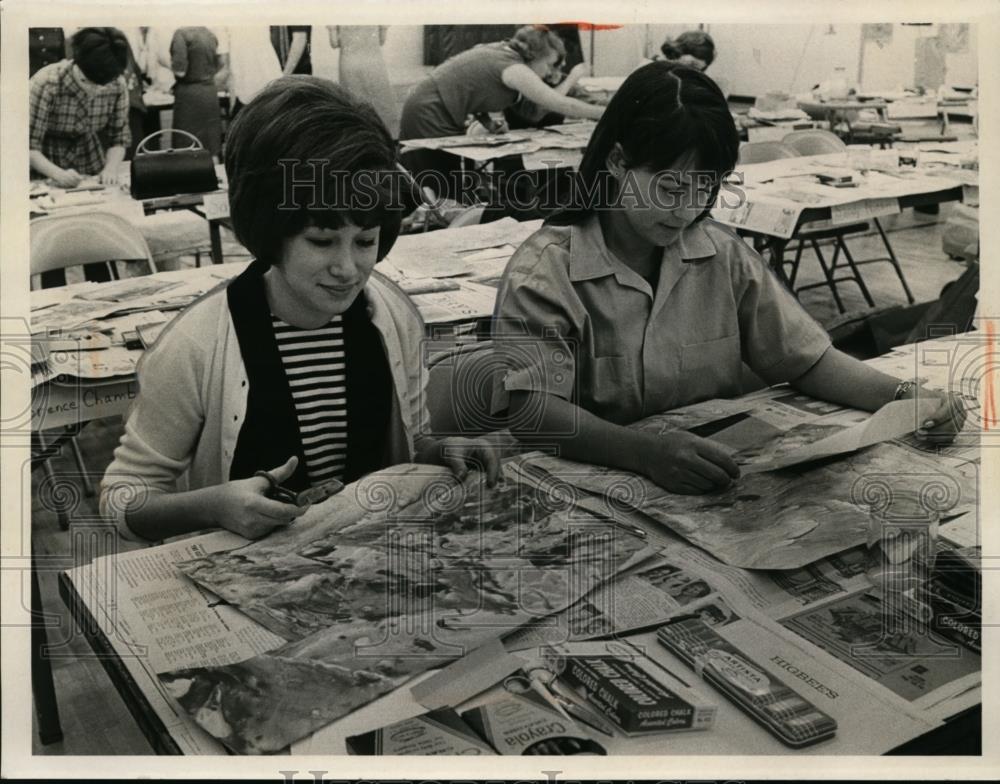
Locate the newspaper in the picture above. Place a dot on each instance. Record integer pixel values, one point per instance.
(128, 289)
(778, 519)
(891, 421)
(469, 302)
(110, 362)
(934, 675)
(455, 252)
(69, 314)
(154, 620)
(369, 597)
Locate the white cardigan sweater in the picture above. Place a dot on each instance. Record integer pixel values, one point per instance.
(181, 431)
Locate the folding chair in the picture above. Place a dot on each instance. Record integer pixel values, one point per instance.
(61, 241)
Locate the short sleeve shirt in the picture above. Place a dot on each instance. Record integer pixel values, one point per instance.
(573, 320)
(72, 128)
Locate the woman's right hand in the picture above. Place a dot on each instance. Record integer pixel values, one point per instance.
(682, 462)
(67, 178)
(242, 506)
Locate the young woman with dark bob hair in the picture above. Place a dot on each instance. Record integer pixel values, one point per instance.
(633, 301)
(308, 364)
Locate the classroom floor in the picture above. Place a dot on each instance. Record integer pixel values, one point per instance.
(94, 718)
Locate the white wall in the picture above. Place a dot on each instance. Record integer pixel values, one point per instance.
(616, 52)
(891, 65)
(754, 59)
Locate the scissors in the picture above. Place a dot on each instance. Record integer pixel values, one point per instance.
(544, 683)
(311, 495)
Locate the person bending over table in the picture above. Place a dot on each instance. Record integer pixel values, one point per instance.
(78, 110)
(306, 364)
(636, 302)
(487, 78)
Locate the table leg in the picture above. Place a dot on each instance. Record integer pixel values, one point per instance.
(42, 686)
(215, 235)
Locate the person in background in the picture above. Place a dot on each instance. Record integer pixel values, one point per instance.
(157, 61)
(306, 366)
(633, 301)
(249, 63)
(78, 110)
(195, 62)
(139, 118)
(525, 114)
(291, 43)
(363, 70)
(487, 78)
(693, 48)
(46, 45)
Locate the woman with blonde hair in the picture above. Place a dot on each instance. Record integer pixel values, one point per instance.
(487, 78)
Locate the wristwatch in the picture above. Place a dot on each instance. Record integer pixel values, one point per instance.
(903, 388)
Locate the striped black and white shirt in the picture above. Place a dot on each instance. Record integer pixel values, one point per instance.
(315, 366)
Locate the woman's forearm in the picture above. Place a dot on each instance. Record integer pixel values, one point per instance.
(538, 419)
(163, 515)
(840, 378)
(43, 165)
(114, 157)
(571, 107)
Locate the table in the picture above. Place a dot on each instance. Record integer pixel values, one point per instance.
(782, 196)
(841, 111)
(555, 146)
(958, 735)
(165, 237)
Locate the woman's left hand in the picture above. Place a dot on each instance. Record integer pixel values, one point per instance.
(945, 422)
(460, 454)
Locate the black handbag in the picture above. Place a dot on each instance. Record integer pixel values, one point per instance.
(157, 173)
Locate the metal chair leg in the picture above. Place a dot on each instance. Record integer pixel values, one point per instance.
(836, 254)
(88, 486)
(856, 273)
(893, 260)
(828, 275)
(40, 448)
(795, 264)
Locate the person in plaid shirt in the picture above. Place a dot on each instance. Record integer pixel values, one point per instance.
(78, 110)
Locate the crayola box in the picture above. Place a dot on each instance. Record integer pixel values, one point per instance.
(638, 696)
(438, 732)
(525, 724)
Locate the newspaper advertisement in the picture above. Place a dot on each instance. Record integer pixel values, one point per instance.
(140, 595)
(904, 658)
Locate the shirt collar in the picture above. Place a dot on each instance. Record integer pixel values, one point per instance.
(590, 257)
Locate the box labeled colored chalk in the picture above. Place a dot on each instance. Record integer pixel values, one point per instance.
(631, 690)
